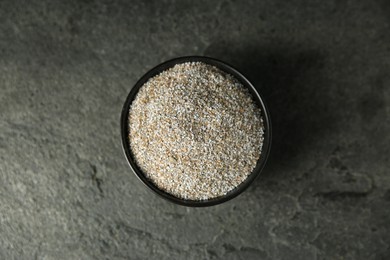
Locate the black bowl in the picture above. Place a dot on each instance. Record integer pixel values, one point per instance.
(228, 69)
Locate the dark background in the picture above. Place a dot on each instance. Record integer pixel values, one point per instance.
(66, 191)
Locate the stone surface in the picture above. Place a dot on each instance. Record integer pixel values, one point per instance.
(66, 191)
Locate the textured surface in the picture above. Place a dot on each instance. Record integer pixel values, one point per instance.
(66, 191)
(195, 131)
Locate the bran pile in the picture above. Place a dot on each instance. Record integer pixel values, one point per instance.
(195, 131)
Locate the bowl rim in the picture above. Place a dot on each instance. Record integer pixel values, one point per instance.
(227, 68)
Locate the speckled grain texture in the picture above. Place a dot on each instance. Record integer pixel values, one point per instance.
(66, 191)
(195, 131)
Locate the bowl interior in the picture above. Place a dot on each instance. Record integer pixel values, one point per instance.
(257, 98)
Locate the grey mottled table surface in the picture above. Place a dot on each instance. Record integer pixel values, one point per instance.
(66, 191)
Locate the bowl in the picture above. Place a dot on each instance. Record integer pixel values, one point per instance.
(257, 98)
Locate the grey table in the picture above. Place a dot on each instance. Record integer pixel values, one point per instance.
(66, 191)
